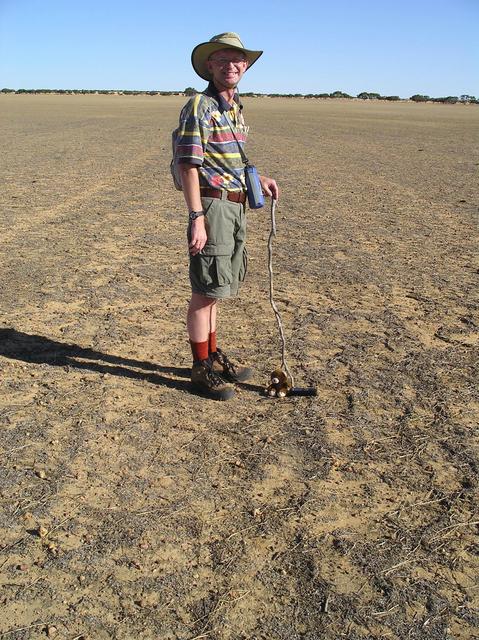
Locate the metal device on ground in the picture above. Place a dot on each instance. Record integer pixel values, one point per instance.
(282, 381)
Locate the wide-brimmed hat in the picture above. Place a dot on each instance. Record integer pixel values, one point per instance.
(229, 40)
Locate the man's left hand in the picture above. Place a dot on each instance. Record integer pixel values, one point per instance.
(269, 186)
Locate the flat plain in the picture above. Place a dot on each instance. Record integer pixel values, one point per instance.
(133, 508)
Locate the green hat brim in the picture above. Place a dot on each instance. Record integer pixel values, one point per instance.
(201, 53)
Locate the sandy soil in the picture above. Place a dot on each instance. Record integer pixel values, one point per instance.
(132, 508)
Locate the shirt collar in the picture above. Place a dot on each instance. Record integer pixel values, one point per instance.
(223, 105)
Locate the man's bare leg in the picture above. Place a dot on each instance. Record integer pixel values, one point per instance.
(213, 314)
(201, 313)
(200, 320)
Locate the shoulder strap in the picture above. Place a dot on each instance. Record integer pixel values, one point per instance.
(242, 153)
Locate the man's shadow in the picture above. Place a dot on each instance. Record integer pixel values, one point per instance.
(17, 345)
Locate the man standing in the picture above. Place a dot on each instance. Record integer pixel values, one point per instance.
(210, 164)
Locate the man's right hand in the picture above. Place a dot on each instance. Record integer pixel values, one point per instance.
(197, 235)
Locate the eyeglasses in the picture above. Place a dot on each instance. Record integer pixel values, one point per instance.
(224, 62)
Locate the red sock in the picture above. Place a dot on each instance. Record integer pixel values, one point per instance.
(199, 350)
(212, 342)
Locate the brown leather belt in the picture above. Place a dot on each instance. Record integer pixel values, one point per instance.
(233, 196)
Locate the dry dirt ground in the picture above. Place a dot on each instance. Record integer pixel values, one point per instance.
(132, 508)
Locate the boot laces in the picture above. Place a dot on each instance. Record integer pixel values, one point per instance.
(212, 377)
(225, 362)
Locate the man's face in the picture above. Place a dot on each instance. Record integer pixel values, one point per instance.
(227, 67)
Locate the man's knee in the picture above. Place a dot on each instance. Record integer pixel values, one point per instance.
(199, 301)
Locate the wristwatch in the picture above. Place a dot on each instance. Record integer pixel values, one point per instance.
(195, 214)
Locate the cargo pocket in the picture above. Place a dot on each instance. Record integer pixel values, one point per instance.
(219, 258)
(244, 266)
(202, 271)
(224, 272)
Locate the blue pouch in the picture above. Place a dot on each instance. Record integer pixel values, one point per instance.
(253, 187)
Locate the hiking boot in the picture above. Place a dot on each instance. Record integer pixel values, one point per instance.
(228, 370)
(209, 383)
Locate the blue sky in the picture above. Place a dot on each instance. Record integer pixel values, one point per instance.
(394, 47)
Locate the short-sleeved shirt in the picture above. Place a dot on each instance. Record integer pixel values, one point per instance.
(205, 139)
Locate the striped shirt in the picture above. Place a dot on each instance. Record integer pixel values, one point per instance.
(205, 139)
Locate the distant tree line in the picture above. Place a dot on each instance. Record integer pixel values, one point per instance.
(124, 92)
(366, 95)
(465, 99)
(190, 91)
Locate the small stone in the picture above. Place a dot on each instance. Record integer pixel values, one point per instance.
(51, 631)
(40, 473)
(42, 531)
(23, 567)
(165, 481)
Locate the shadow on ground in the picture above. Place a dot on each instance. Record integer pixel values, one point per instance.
(32, 348)
(18, 345)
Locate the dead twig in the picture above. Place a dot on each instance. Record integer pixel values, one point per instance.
(221, 602)
(31, 626)
(325, 605)
(24, 446)
(421, 504)
(454, 526)
(237, 533)
(381, 614)
(33, 503)
(386, 572)
(243, 595)
(30, 584)
(57, 526)
(13, 544)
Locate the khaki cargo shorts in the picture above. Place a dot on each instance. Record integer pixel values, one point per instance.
(217, 271)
